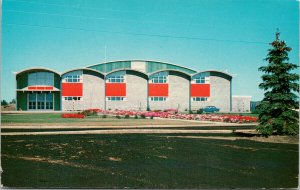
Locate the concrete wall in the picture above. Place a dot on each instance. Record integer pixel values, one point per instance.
(178, 94)
(93, 91)
(136, 94)
(219, 94)
(241, 103)
(70, 105)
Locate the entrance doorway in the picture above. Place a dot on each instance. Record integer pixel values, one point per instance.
(40, 101)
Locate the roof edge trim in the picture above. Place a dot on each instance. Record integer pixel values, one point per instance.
(36, 68)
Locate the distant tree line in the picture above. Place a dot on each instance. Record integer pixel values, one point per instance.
(5, 103)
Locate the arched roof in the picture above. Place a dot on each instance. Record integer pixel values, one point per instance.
(172, 70)
(87, 69)
(227, 75)
(37, 69)
(151, 66)
(133, 70)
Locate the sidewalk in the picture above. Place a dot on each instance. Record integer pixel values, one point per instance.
(129, 131)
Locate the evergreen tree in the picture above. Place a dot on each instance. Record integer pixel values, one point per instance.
(4, 103)
(277, 114)
(13, 101)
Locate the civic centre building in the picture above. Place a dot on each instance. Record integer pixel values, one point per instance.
(124, 85)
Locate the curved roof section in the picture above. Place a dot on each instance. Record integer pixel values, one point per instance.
(217, 73)
(171, 70)
(131, 70)
(87, 69)
(147, 65)
(36, 69)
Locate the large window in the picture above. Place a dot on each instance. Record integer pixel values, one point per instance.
(40, 101)
(72, 78)
(41, 78)
(116, 79)
(159, 79)
(200, 80)
(115, 98)
(200, 99)
(158, 99)
(32, 101)
(49, 101)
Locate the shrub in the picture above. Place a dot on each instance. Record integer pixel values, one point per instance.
(200, 111)
(89, 112)
(126, 116)
(104, 116)
(118, 117)
(151, 117)
(143, 116)
(190, 112)
(135, 117)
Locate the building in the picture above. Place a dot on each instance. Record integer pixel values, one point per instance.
(127, 85)
(241, 103)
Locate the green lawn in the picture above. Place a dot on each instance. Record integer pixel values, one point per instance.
(45, 118)
(145, 161)
(56, 119)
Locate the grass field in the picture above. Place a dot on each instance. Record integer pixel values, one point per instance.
(145, 161)
(56, 119)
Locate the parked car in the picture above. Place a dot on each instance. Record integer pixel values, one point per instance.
(210, 109)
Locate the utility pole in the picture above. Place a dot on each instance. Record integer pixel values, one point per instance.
(105, 54)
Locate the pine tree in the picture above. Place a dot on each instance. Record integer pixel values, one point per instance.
(277, 107)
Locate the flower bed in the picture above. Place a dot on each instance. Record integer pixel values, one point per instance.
(172, 114)
(72, 115)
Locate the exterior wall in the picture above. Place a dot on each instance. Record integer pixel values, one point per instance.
(26, 84)
(136, 94)
(57, 81)
(56, 105)
(22, 80)
(241, 103)
(93, 91)
(22, 101)
(219, 94)
(70, 105)
(178, 96)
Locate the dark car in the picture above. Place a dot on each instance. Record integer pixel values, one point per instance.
(210, 109)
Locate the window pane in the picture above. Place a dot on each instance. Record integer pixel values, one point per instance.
(41, 78)
(49, 97)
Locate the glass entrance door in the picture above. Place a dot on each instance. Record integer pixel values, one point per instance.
(32, 101)
(40, 101)
(49, 101)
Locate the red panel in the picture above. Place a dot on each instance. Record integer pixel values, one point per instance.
(115, 89)
(49, 88)
(71, 89)
(31, 88)
(158, 90)
(200, 90)
(40, 88)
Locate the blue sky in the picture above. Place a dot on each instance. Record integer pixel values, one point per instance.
(200, 34)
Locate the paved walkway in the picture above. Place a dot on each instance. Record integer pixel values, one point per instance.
(129, 131)
(216, 124)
